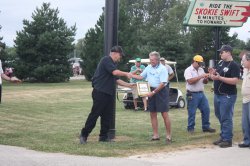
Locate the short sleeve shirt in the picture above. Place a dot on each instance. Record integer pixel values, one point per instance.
(103, 79)
(245, 90)
(191, 72)
(155, 75)
(133, 68)
(169, 69)
(228, 69)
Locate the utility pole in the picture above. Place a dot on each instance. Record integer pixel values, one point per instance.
(110, 40)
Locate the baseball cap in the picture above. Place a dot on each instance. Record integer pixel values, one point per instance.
(198, 58)
(138, 59)
(226, 48)
(162, 59)
(117, 49)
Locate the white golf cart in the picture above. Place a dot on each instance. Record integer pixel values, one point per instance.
(175, 95)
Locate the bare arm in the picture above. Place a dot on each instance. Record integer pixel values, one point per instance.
(5, 77)
(171, 76)
(196, 79)
(138, 77)
(150, 94)
(123, 83)
(231, 81)
(121, 73)
(11, 79)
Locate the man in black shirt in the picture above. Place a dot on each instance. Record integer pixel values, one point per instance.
(226, 75)
(104, 86)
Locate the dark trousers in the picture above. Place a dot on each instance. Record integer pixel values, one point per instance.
(102, 106)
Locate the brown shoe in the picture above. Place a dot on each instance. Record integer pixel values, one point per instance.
(209, 130)
(155, 139)
(225, 144)
(217, 142)
(168, 141)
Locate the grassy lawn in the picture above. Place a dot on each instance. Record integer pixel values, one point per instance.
(48, 117)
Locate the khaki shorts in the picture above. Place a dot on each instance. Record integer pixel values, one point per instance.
(135, 92)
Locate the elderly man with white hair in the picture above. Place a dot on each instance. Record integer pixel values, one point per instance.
(157, 76)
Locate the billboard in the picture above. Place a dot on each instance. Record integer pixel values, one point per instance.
(217, 13)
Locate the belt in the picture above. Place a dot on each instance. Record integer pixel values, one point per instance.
(152, 88)
(194, 92)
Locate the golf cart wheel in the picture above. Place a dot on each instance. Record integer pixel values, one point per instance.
(181, 103)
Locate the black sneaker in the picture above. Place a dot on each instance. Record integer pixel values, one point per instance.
(225, 144)
(243, 145)
(190, 131)
(102, 139)
(209, 130)
(83, 140)
(217, 142)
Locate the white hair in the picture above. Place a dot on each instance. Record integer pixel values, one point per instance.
(155, 54)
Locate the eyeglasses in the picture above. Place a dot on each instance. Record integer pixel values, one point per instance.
(199, 63)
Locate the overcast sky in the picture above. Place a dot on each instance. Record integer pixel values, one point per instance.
(84, 13)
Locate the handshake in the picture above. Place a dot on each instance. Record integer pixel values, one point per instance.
(129, 75)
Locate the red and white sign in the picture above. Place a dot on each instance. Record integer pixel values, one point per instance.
(218, 13)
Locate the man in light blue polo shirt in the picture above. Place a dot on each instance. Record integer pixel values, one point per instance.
(157, 75)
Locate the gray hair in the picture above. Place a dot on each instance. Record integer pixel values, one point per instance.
(247, 56)
(156, 54)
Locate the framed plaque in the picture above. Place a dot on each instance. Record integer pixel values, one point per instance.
(143, 88)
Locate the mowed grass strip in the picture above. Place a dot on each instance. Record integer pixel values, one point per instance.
(49, 117)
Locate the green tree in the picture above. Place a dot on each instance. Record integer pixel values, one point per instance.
(156, 25)
(9, 57)
(248, 45)
(92, 48)
(43, 46)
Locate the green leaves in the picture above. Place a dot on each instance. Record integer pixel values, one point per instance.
(43, 45)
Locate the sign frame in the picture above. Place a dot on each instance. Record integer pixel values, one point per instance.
(217, 13)
(143, 88)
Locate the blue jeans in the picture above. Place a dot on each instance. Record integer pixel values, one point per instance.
(224, 109)
(246, 122)
(194, 101)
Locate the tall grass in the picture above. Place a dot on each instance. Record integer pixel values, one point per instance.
(49, 117)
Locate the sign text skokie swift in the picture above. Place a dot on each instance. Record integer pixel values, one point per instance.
(214, 12)
(217, 13)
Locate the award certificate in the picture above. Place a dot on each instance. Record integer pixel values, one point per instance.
(143, 88)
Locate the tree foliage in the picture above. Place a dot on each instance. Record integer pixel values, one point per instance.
(43, 45)
(92, 48)
(156, 25)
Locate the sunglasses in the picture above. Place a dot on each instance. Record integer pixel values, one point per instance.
(199, 63)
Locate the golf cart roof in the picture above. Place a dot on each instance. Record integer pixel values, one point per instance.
(147, 61)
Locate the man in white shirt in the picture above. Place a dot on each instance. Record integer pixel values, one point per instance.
(245, 91)
(169, 69)
(195, 79)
